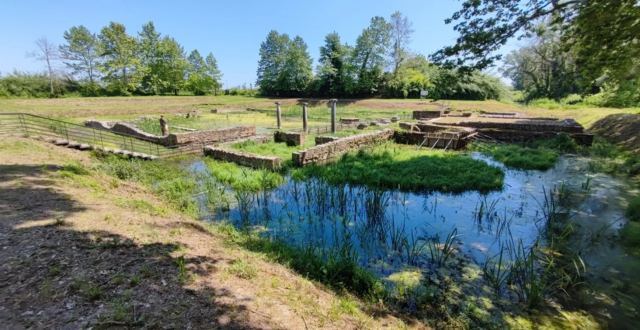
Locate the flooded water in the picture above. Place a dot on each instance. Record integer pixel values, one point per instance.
(386, 230)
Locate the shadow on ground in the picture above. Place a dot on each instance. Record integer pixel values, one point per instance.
(53, 276)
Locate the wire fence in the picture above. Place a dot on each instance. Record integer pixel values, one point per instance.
(30, 125)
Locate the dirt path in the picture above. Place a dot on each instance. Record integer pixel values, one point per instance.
(83, 250)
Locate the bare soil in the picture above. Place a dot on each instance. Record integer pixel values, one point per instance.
(77, 253)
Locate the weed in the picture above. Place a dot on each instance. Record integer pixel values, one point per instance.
(75, 168)
(243, 179)
(242, 269)
(184, 277)
(520, 157)
(440, 252)
(86, 289)
(633, 209)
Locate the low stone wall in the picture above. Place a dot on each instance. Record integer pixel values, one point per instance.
(290, 138)
(242, 158)
(212, 136)
(177, 139)
(426, 114)
(331, 150)
(530, 125)
(325, 139)
(526, 136)
(440, 140)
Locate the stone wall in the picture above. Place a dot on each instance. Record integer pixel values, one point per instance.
(177, 139)
(426, 114)
(526, 136)
(440, 140)
(334, 149)
(211, 136)
(325, 139)
(290, 138)
(242, 158)
(530, 125)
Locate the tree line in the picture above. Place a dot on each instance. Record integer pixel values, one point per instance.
(579, 50)
(114, 62)
(379, 64)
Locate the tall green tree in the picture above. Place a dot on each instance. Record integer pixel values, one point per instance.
(296, 73)
(81, 53)
(121, 62)
(213, 72)
(543, 69)
(369, 56)
(203, 75)
(149, 55)
(334, 78)
(171, 66)
(273, 55)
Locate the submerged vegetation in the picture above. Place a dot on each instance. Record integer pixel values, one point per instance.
(407, 168)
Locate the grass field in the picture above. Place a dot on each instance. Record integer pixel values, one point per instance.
(130, 108)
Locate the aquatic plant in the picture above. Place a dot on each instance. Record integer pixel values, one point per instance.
(405, 168)
(440, 252)
(519, 156)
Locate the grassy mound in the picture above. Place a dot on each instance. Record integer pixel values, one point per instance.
(407, 168)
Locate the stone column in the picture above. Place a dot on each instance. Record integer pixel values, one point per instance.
(305, 124)
(333, 103)
(278, 115)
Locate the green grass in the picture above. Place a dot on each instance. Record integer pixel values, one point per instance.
(164, 177)
(407, 168)
(519, 157)
(152, 125)
(243, 178)
(280, 150)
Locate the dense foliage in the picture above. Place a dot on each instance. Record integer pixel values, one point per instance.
(113, 62)
(584, 47)
(379, 64)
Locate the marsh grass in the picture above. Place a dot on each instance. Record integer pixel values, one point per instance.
(519, 157)
(242, 178)
(403, 167)
(166, 178)
(337, 269)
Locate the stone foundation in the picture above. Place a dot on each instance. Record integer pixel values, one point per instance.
(244, 159)
(177, 139)
(290, 138)
(334, 149)
(441, 140)
(211, 136)
(325, 139)
(426, 114)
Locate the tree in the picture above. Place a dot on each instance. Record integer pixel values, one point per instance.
(334, 68)
(203, 75)
(47, 52)
(604, 30)
(148, 53)
(414, 75)
(369, 55)
(170, 66)
(212, 71)
(401, 31)
(542, 69)
(81, 52)
(121, 63)
(273, 53)
(296, 72)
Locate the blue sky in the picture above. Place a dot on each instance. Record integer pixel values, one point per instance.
(231, 30)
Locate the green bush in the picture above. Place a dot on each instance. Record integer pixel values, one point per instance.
(571, 99)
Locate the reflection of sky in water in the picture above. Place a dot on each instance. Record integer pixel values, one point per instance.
(371, 223)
